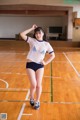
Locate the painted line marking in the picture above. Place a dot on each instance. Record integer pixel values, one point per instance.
(7, 85)
(51, 76)
(52, 61)
(12, 61)
(17, 90)
(23, 106)
(72, 65)
(27, 114)
(27, 96)
(6, 72)
(51, 83)
(21, 112)
(13, 90)
(46, 102)
(14, 100)
(15, 53)
(73, 52)
(62, 102)
(26, 74)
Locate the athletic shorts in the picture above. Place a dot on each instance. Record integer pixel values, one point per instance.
(34, 66)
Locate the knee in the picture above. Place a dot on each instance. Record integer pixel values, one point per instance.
(33, 86)
(39, 86)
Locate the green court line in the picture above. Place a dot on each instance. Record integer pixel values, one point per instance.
(51, 82)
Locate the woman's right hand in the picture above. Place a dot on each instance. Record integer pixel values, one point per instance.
(34, 26)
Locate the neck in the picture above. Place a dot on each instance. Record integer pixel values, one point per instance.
(40, 39)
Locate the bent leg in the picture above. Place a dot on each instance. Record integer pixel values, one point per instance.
(32, 78)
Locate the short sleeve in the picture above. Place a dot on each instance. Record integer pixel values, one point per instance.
(29, 39)
(49, 48)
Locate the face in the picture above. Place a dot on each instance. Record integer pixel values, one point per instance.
(39, 35)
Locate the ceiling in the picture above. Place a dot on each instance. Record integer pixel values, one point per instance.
(36, 10)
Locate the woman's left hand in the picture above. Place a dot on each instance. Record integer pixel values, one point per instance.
(43, 62)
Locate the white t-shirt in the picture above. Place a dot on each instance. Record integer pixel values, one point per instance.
(38, 49)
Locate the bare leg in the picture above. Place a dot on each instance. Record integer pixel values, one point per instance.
(39, 76)
(32, 78)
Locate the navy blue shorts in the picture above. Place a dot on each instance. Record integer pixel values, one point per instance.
(34, 66)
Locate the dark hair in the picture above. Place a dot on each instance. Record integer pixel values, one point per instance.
(40, 29)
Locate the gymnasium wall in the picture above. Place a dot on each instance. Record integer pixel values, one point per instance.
(76, 32)
(76, 7)
(12, 25)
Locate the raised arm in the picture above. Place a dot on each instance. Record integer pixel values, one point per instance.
(24, 33)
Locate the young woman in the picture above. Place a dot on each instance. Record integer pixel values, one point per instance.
(35, 61)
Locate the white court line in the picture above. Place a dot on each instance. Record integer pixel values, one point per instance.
(25, 61)
(26, 74)
(51, 76)
(53, 61)
(14, 53)
(27, 96)
(74, 52)
(21, 112)
(14, 89)
(5, 72)
(72, 65)
(45, 102)
(59, 61)
(62, 103)
(23, 106)
(13, 61)
(27, 114)
(7, 85)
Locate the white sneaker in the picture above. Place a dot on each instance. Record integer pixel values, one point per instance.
(36, 105)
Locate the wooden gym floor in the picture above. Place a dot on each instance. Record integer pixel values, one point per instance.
(60, 99)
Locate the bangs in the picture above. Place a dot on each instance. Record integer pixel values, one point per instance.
(38, 29)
